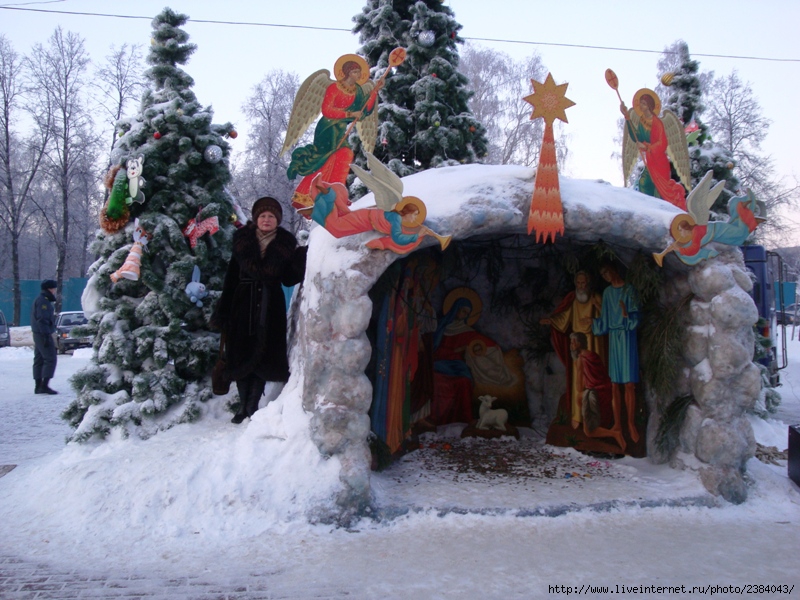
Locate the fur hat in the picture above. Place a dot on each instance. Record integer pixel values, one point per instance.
(49, 284)
(270, 204)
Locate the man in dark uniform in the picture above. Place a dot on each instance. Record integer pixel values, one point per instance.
(43, 326)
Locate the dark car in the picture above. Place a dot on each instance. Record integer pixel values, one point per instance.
(5, 333)
(64, 324)
(787, 317)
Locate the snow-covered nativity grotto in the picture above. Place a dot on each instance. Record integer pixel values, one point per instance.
(495, 314)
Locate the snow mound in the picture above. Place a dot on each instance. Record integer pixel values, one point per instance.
(22, 353)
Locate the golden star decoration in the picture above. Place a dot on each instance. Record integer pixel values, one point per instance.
(549, 100)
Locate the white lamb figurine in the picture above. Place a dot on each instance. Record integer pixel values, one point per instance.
(491, 418)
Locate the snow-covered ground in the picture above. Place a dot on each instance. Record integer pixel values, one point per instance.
(193, 500)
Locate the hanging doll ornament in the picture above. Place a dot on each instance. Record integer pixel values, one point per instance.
(131, 268)
(195, 229)
(546, 214)
(125, 184)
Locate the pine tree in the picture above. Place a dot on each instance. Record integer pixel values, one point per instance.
(153, 350)
(425, 120)
(684, 96)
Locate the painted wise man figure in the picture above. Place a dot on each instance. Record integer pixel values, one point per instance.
(575, 313)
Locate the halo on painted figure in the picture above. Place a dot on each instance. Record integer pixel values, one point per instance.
(338, 67)
(422, 211)
(469, 294)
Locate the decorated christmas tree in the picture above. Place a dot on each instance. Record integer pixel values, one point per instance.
(425, 120)
(163, 251)
(683, 93)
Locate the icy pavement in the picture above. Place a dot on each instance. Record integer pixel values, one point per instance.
(31, 424)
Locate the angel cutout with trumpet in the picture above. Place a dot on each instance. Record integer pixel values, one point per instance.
(656, 140)
(348, 101)
(396, 216)
(693, 231)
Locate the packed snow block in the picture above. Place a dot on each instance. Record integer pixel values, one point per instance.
(726, 444)
(710, 279)
(695, 345)
(794, 453)
(690, 428)
(726, 482)
(351, 318)
(334, 428)
(742, 277)
(355, 474)
(728, 356)
(733, 309)
(350, 391)
(700, 313)
(729, 397)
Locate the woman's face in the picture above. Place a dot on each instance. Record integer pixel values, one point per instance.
(463, 313)
(267, 222)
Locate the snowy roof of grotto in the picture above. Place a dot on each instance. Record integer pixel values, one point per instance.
(469, 200)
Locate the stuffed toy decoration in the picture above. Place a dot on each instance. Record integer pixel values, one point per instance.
(131, 268)
(196, 290)
(194, 230)
(114, 215)
(135, 180)
(125, 189)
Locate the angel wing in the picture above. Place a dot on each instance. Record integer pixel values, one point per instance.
(630, 153)
(306, 107)
(677, 147)
(368, 127)
(702, 197)
(382, 182)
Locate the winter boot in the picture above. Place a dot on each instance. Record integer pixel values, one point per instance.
(45, 389)
(38, 386)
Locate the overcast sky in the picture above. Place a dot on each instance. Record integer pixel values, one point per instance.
(231, 59)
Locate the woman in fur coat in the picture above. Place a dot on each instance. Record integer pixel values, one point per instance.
(251, 311)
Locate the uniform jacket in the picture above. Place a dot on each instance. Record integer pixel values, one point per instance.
(43, 315)
(252, 309)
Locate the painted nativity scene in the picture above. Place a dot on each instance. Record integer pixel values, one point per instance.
(500, 302)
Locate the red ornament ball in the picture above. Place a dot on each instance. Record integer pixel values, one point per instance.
(433, 75)
(157, 135)
(472, 128)
(453, 35)
(233, 134)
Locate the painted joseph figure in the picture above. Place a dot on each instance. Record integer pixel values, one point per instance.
(574, 314)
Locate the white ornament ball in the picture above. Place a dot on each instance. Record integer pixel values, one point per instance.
(213, 154)
(426, 38)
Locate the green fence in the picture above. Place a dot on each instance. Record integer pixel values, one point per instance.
(70, 296)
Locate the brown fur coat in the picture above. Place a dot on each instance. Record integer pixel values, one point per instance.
(252, 309)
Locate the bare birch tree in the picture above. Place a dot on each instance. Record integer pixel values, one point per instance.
(20, 158)
(736, 122)
(499, 85)
(262, 170)
(119, 82)
(59, 71)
